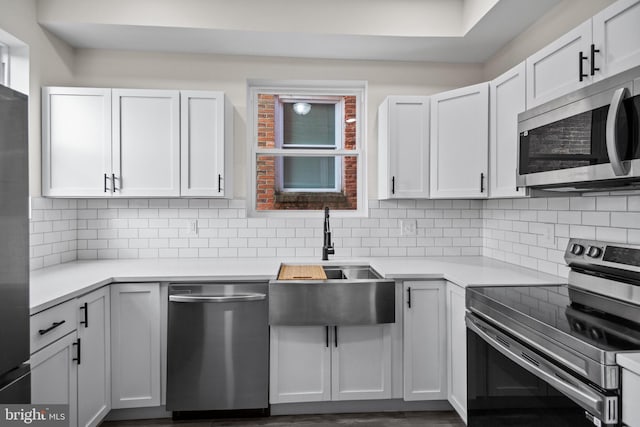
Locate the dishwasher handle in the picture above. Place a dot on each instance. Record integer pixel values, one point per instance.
(204, 298)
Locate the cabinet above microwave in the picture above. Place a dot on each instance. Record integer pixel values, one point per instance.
(586, 140)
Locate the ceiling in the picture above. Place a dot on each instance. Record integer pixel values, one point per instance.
(398, 30)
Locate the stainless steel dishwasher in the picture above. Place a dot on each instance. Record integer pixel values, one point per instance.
(218, 347)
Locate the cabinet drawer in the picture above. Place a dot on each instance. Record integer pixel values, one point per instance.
(46, 327)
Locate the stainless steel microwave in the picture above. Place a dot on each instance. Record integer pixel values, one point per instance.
(587, 140)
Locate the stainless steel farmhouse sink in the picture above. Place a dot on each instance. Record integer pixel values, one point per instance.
(351, 295)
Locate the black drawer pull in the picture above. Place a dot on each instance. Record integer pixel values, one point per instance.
(409, 297)
(85, 308)
(51, 328)
(77, 359)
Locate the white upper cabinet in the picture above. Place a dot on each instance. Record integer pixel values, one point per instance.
(206, 153)
(506, 101)
(403, 147)
(616, 34)
(146, 143)
(556, 69)
(603, 46)
(136, 143)
(76, 142)
(460, 142)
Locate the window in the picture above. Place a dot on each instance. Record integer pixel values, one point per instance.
(4, 64)
(306, 148)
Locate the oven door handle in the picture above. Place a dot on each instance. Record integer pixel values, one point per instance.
(600, 405)
(217, 298)
(619, 168)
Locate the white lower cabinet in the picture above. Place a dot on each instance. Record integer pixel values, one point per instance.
(74, 369)
(456, 349)
(94, 369)
(321, 363)
(425, 365)
(630, 393)
(54, 375)
(135, 345)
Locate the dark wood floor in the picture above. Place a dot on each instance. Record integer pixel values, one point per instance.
(382, 419)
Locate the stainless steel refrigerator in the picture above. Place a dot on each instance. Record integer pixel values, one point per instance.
(14, 249)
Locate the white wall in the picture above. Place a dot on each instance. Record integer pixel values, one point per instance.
(50, 60)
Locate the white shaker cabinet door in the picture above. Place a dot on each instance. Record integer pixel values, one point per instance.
(425, 366)
(300, 364)
(361, 362)
(94, 373)
(135, 345)
(460, 143)
(616, 34)
(206, 144)
(403, 147)
(507, 95)
(457, 349)
(54, 375)
(555, 70)
(146, 143)
(76, 142)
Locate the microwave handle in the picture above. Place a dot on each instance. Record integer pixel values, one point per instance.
(618, 166)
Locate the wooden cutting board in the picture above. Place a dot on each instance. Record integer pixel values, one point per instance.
(302, 272)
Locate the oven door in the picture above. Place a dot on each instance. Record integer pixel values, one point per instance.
(509, 384)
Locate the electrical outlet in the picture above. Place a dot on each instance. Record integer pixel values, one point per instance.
(408, 227)
(548, 236)
(192, 228)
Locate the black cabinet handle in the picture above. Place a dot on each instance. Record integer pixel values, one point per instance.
(85, 308)
(105, 182)
(51, 328)
(409, 297)
(335, 336)
(113, 181)
(593, 59)
(77, 343)
(581, 58)
(219, 183)
(481, 182)
(326, 336)
(393, 185)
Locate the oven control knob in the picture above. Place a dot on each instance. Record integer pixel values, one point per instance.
(594, 252)
(595, 334)
(577, 249)
(578, 326)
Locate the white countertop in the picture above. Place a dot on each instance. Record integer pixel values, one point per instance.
(53, 285)
(630, 361)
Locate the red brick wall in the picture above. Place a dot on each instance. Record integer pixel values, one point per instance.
(268, 198)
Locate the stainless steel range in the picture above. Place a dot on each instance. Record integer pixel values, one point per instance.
(547, 354)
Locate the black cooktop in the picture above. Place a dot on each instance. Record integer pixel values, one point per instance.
(549, 310)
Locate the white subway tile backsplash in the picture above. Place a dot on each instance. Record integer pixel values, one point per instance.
(510, 230)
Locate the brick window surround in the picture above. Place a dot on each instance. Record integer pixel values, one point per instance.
(268, 196)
